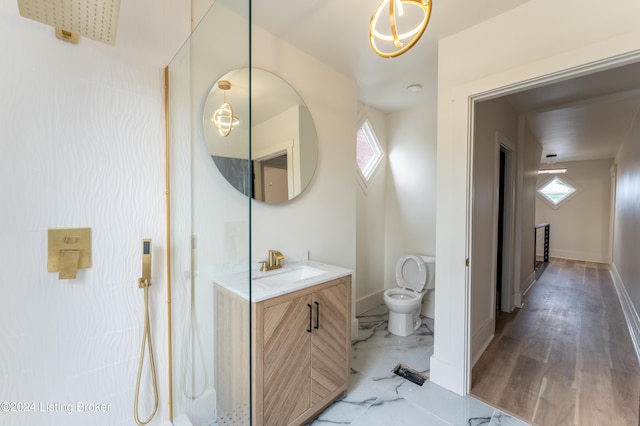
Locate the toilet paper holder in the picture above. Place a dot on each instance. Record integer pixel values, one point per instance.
(69, 250)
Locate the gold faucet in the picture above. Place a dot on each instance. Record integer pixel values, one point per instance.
(274, 261)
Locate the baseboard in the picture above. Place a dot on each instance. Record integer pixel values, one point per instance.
(369, 302)
(581, 256)
(484, 347)
(481, 339)
(354, 328)
(517, 299)
(203, 410)
(428, 308)
(630, 312)
(182, 420)
(527, 284)
(446, 375)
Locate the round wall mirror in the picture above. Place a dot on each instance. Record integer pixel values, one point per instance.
(284, 144)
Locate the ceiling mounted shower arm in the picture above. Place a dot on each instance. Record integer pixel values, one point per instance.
(94, 19)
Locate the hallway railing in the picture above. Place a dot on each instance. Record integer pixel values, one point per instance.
(541, 243)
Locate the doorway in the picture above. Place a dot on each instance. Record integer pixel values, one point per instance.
(505, 187)
(500, 232)
(270, 179)
(527, 156)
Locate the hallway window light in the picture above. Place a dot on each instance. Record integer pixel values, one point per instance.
(368, 151)
(556, 191)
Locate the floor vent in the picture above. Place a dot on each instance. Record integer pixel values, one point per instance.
(410, 374)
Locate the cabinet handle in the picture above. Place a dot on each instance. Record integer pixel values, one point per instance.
(310, 316)
(317, 315)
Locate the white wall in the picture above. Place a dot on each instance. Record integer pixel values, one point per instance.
(478, 61)
(205, 206)
(526, 201)
(280, 133)
(580, 226)
(410, 224)
(370, 222)
(627, 215)
(321, 220)
(283, 127)
(491, 117)
(396, 210)
(82, 141)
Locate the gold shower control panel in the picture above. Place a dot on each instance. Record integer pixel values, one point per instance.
(69, 250)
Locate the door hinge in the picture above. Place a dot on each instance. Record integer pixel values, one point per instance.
(466, 262)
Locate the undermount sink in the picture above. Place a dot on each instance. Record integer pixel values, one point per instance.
(292, 276)
(288, 276)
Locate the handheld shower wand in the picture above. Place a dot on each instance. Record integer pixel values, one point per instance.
(145, 282)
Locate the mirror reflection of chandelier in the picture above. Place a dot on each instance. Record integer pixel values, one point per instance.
(394, 37)
(223, 117)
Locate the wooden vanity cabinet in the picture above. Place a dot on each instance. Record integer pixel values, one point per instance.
(300, 358)
(300, 350)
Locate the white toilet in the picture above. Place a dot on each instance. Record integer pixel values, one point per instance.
(415, 275)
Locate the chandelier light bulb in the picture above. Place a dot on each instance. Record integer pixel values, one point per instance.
(401, 39)
(223, 117)
(224, 120)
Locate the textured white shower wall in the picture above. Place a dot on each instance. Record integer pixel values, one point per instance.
(82, 142)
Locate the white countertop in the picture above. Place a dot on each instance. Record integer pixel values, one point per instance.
(239, 283)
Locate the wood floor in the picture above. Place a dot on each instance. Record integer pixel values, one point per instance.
(566, 357)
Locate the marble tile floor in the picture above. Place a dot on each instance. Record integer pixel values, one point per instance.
(376, 396)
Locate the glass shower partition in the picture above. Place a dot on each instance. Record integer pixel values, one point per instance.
(209, 222)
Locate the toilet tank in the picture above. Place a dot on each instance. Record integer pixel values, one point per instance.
(431, 270)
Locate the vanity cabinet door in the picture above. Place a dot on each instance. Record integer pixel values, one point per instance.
(330, 341)
(286, 356)
(301, 344)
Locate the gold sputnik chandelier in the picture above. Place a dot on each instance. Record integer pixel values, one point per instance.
(394, 40)
(223, 117)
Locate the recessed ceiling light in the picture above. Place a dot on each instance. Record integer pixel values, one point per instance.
(414, 87)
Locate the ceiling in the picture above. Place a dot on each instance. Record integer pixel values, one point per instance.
(582, 118)
(337, 33)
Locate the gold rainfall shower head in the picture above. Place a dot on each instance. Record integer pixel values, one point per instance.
(95, 19)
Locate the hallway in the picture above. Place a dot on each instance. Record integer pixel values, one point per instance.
(566, 357)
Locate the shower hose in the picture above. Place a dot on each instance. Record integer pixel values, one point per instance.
(146, 340)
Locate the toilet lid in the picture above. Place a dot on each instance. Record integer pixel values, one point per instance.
(411, 272)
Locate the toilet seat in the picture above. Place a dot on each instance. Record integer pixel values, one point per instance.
(404, 301)
(402, 296)
(411, 273)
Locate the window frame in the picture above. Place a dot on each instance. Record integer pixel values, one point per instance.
(376, 146)
(566, 180)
